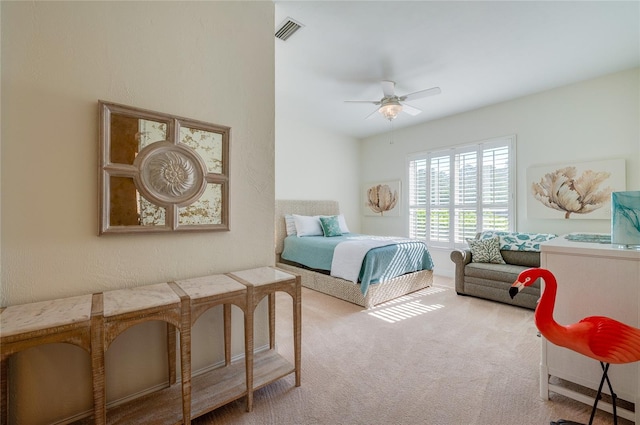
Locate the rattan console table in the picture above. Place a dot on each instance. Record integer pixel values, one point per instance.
(94, 321)
(25, 326)
(268, 366)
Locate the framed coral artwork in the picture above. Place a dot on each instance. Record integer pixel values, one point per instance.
(382, 199)
(574, 190)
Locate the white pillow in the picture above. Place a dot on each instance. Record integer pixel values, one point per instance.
(343, 224)
(290, 224)
(307, 226)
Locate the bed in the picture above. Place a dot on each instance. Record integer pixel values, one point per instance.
(376, 293)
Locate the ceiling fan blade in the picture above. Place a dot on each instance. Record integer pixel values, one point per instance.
(375, 102)
(371, 115)
(422, 93)
(410, 109)
(388, 88)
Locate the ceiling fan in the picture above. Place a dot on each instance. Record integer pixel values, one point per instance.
(391, 104)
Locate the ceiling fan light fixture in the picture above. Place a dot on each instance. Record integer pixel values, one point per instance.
(390, 110)
(390, 105)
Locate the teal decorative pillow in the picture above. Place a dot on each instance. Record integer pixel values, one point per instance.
(330, 226)
(518, 241)
(485, 250)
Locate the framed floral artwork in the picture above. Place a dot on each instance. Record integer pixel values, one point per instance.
(574, 190)
(382, 199)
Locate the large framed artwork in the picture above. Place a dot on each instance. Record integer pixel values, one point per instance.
(574, 190)
(625, 218)
(382, 199)
(161, 173)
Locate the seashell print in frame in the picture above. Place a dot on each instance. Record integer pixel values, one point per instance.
(382, 199)
(160, 172)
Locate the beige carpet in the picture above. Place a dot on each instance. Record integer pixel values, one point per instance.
(432, 358)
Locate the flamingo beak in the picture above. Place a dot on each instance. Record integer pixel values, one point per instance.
(515, 289)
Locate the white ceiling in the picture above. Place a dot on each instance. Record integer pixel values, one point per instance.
(479, 53)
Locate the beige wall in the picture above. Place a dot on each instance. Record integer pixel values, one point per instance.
(211, 61)
(313, 163)
(587, 121)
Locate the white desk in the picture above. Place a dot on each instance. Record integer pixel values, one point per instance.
(593, 280)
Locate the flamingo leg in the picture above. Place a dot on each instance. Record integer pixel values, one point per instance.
(605, 376)
(613, 395)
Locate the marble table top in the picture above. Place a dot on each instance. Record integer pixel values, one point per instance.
(262, 276)
(45, 315)
(65, 311)
(209, 286)
(121, 301)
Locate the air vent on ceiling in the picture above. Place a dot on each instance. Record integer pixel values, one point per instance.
(287, 29)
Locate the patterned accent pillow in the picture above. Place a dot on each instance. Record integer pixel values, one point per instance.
(330, 226)
(516, 241)
(486, 250)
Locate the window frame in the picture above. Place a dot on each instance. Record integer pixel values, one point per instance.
(479, 205)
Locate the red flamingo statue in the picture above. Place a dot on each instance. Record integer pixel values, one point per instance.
(601, 338)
